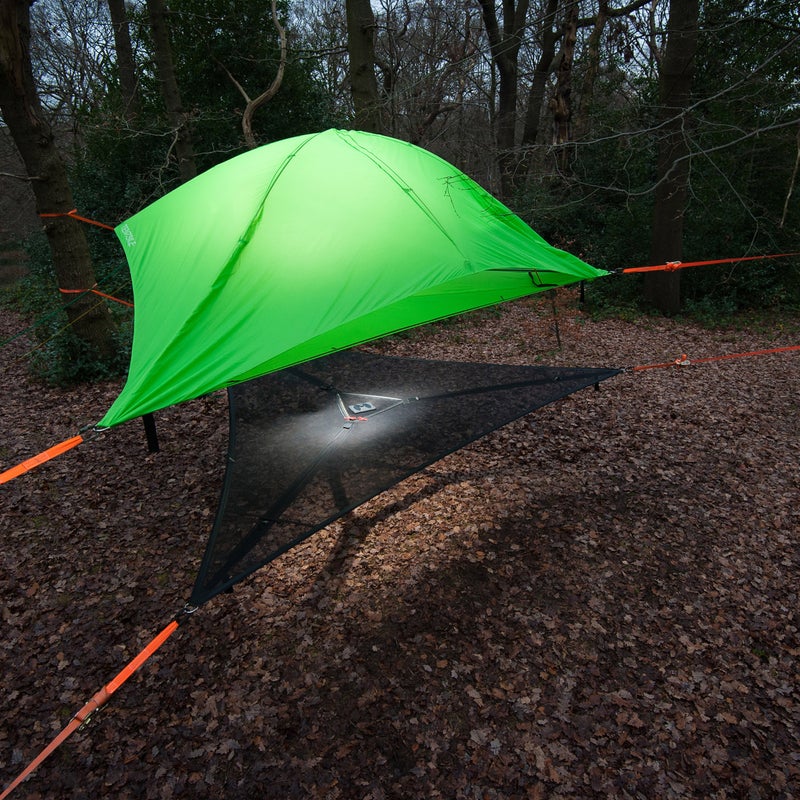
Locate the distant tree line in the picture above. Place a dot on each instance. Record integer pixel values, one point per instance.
(625, 132)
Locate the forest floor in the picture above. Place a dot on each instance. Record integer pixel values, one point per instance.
(599, 600)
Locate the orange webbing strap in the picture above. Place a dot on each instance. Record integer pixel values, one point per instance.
(684, 361)
(98, 701)
(670, 266)
(74, 215)
(32, 463)
(96, 291)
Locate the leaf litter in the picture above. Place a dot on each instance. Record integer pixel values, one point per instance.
(598, 600)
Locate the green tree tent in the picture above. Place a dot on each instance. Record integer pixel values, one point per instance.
(308, 246)
(300, 249)
(258, 275)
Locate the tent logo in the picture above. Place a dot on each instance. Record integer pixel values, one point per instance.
(130, 239)
(361, 408)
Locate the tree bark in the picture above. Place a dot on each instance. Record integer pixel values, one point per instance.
(505, 56)
(129, 85)
(550, 35)
(184, 150)
(581, 127)
(561, 102)
(536, 92)
(33, 137)
(662, 289)
(361, 50)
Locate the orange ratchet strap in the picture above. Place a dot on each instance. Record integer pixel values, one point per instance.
(96, 291)
(32, 463)
(685, 361)
(98, 701)
(671, 266)
(73, 214)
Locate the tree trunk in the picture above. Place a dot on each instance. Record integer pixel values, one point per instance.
(505, 56)
(541, 72)
(129, 85)
(169, 89)
(662, 289)
(361, 50)
(561, 102)
(592, 70)
(22, 113)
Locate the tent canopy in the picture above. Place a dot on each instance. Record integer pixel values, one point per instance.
(311, 245)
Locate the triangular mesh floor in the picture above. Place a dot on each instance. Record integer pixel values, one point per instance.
(310, 443)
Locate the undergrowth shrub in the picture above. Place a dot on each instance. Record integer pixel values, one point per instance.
(60, 357)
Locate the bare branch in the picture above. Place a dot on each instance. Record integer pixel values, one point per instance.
(233, 80)
(586, 22)
(25, 178)
(254, 104)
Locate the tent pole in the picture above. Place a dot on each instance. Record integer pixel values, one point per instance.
(150, 432)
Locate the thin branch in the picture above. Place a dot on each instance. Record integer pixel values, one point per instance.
(586, 22)
(26, 178)
(630, 193)
(233, 80)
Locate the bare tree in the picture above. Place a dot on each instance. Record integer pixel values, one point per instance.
(254, 104)
(672, 170)
(363, 83)
(322, 29)
(592, 69)
(126, 65)
(505, 43)
(70, 53)
(178, 119)
(33, 136)
(430, 77)
(792, 182)
(561, 101)
(549, 36)
(427, 55)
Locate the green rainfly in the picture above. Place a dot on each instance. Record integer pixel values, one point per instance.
(307, 246)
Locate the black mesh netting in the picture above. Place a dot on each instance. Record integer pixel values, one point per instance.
(309, 444)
